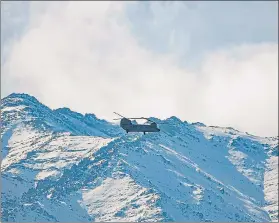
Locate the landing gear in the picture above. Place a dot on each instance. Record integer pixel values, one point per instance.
(127, 131)
(144, 133)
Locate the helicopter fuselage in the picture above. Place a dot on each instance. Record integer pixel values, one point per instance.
(128, 126)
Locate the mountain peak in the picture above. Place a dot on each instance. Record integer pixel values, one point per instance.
(22, 96)
(15, 99)
(198, 124)
(66, 110)
(174, 119)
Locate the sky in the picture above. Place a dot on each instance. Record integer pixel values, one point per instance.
(211, 62)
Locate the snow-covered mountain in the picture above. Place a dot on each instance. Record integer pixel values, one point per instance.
(59, 165)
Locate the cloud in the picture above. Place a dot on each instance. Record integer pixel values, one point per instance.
(241, 87)
(83, 55)
(14, 18)
(190, 28)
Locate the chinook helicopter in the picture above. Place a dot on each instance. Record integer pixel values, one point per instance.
(128, 126)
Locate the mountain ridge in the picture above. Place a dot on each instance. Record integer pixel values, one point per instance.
(33, 99)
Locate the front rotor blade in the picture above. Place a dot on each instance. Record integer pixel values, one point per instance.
(119, 114)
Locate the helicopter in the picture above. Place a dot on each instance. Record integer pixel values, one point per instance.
(128, 126)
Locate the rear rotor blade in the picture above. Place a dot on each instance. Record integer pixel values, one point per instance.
(150, 120)
(160, 123)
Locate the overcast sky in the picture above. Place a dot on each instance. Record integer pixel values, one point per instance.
(212, 62)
